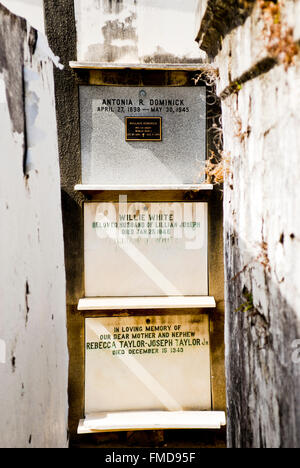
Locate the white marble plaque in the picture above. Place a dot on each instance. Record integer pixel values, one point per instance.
(175, 158)
(151, 249)
(147, 364)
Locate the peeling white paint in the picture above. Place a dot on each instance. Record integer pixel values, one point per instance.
(33, 390)
(43, 50)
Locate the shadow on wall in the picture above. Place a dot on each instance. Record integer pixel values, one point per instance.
(263, 364)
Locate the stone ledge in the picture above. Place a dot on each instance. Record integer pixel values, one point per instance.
(137, 303)
(217, 18)
(151, 420)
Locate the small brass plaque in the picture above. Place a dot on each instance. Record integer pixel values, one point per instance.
(143, 128)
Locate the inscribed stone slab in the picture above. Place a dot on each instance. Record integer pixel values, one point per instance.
(107, 158)
(145, 249)
(147, 363)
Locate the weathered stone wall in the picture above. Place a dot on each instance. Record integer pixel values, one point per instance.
(256, 53)
(33, 341)
(135, 31)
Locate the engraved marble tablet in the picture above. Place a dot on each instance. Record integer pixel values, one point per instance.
(147, 363)
(145, 249)
(113, 150)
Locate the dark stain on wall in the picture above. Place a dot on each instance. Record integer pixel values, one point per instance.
(112, 6)
(12, 33)
(27, 294)
(162, 56)
(116, 30)
(13, 364)
(32, 40)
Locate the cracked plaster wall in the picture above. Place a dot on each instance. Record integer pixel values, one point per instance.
(33, 338)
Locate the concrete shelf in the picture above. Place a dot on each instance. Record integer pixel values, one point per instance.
(134, 303)
(130, 188)
(139, 66)
(151, 420)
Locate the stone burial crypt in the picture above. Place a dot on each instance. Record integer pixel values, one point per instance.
(143, 225)
(149, 240)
